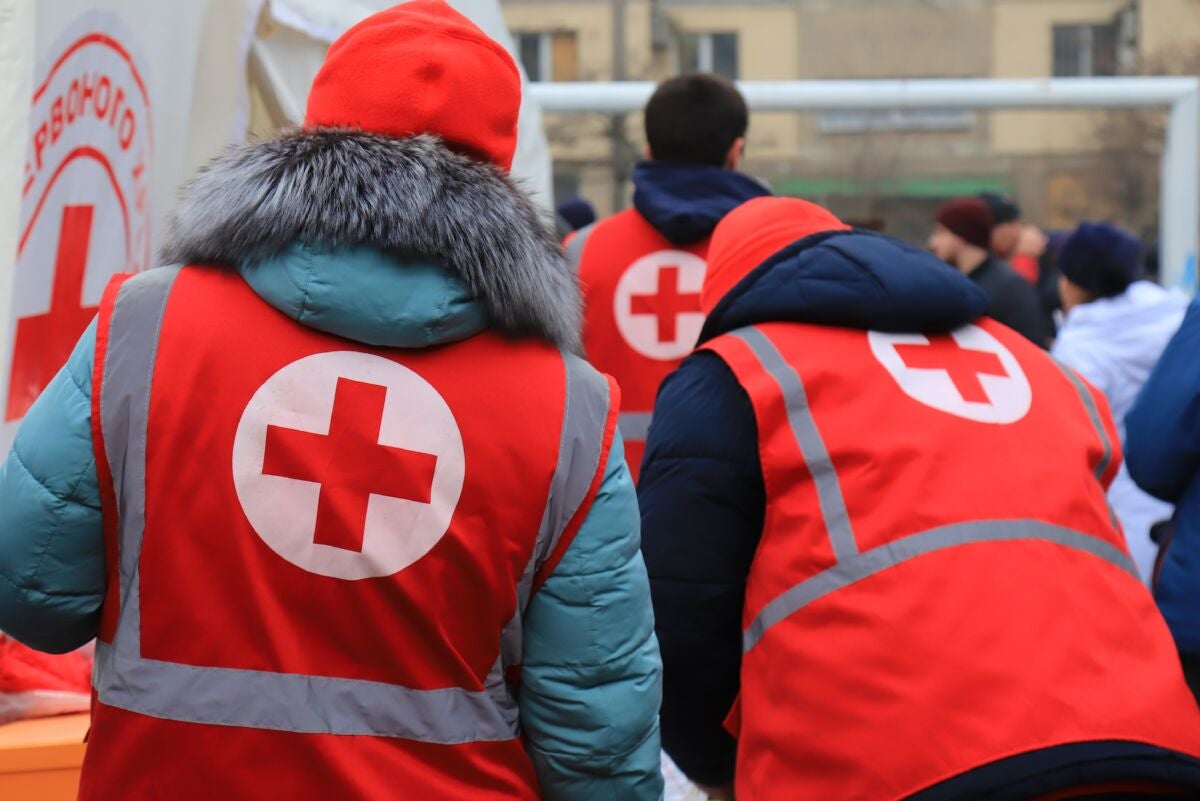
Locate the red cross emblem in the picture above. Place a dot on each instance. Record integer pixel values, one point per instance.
(44, 341)
(666, 304)
(965, 367)
(349, 464)
(969, 373)
(657, 304)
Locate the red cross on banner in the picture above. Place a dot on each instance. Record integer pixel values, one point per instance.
(44, 341)
(964, 366)
(350, 464)
(667, 303)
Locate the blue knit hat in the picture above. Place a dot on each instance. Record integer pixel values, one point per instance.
(577, 212)
(1100, 258)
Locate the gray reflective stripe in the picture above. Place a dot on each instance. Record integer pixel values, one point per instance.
(634, 425)
(496, 686)
(804, 428)
(581, 442)
(226, 696)
(1089, 403)
(1093, 411)
(295, 703)
(577, 244)
(879, 559)
(124, 412)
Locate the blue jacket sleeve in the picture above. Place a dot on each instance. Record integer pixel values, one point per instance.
(52, 577)
(1162, 429)
(702, 498)
(592, 680)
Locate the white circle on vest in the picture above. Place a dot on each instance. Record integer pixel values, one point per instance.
(657, 304)
(967, 373)
(348, 465)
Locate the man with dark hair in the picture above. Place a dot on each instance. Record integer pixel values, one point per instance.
(642, 269)
(697, 118)
(962, 237)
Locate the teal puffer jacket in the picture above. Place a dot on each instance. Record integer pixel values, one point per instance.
(591, 685)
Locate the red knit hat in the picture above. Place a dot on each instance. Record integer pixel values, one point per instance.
(754, 232)
(969, 219)
(421, 68)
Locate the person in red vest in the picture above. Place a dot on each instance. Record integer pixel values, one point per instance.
(879, 547)
(641, 269)
(334, 493)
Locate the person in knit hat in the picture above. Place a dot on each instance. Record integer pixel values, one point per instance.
(346, 511)
(1114, 331)
(962, 237)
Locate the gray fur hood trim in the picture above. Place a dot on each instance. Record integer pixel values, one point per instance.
(409, 196)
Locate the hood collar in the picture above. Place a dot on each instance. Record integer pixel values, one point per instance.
(414, 198)
(684, 202)
(786, 260)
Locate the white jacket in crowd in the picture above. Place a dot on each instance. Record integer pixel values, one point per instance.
(1115, 343)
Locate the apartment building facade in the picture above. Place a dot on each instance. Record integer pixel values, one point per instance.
(897, 165)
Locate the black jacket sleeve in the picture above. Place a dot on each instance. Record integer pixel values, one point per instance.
(702, 499)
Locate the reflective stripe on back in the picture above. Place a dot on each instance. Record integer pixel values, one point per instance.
(1089, 403)
(575, 247)
(1093, 411)
(286, 701)
(808, 438)
(580, 449)
(877, 560)
(634, 426)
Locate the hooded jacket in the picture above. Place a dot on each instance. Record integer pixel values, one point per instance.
(1115, 344)
(703, 447)
(676, 208)
(1163, 455)
(684, 202)
(396, 243)
(703, 498)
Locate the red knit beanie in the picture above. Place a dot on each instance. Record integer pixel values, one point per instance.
(969, 219)
(421, 68)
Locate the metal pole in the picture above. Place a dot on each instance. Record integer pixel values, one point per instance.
(276, 95)
(1180, 204)
(617, 123)
(1180, 214)
(828, 95)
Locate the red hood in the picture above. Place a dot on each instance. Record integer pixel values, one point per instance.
(752, 233)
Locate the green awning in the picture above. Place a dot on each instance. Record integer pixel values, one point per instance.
(950, 186)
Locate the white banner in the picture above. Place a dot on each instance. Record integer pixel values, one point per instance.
(112, 130)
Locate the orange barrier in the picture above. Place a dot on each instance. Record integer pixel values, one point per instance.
(40, 759)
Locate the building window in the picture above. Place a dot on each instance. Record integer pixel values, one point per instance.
(1083, 51)
(549, 56)
(710, 52)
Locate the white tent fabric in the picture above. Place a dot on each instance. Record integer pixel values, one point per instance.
(293, 54)
(108, 106)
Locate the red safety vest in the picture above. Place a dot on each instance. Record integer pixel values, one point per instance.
(641, 312)
(320, 552)
(940, 582)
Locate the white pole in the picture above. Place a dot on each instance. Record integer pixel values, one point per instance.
(827, 95)
(1180, 215)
